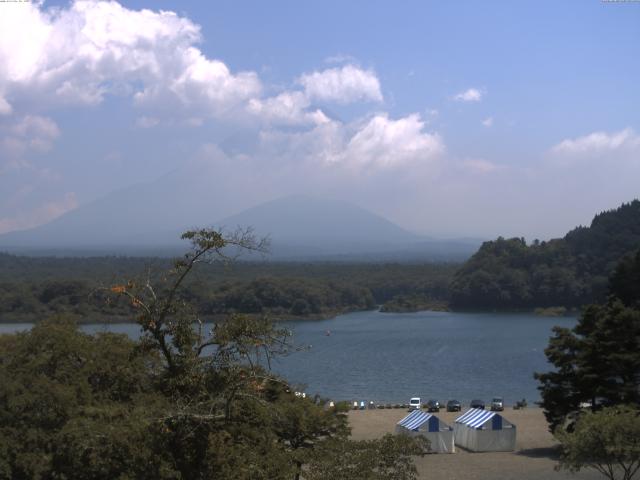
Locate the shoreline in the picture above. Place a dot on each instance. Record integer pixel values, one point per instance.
(115, 320)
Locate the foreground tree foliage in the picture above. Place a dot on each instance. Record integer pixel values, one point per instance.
(187, 401)
(598, 361)
(607, 441)
(387, 458)
(76, 404)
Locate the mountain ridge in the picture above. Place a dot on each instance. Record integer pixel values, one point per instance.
(300, 227)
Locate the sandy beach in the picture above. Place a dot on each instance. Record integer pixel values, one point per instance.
(534, 458)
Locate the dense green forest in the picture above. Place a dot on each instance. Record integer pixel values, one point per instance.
(178, 403)
(32, 288)
(570, 271)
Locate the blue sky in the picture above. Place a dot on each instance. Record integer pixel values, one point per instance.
(449, 118)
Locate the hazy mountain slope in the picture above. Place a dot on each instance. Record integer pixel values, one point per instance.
(300, 220)
(304, 227)
(143, 214)
(150, 218)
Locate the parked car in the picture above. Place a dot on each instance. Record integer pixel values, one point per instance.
(497, 404)
(520, 404)
(433, 405)
(415, 403)
(477, 404)
(454, 406)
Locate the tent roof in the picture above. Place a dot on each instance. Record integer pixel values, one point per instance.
(476, 417)
(415, 419)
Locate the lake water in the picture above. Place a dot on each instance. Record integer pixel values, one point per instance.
(388, 357)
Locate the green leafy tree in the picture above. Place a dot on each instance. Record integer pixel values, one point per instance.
(71, 400)
(187, 401)
(607, 441)
(302, 425)
(388, 458)
(596, 362)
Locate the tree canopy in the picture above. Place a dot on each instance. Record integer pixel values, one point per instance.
(607, 441)
(571, 271)
(598, 361)
(189, 400)
(34, 288)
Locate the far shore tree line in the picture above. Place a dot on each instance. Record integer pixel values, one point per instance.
(35, 288)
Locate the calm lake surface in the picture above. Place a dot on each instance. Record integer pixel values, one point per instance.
(388, 357)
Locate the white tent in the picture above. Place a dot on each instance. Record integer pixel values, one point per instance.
(439, 434)
(483, 431)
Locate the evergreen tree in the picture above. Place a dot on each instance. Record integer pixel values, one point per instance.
(598, 361)
(625, 281)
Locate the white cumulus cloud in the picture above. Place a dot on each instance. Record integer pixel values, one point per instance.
(94, 48)
(343, 85)
(386, 142)
(347, 84)
(203, 85)
(487, 122)
(470, 95)
(289, 108)
(599, 142)
(378, 143)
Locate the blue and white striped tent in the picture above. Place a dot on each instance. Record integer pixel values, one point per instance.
(439, 434)
(484, 431)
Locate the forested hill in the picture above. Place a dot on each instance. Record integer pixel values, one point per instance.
(570, 271)
(34, 288)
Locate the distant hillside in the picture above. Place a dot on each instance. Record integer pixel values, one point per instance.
(301, 220)
(141, 215)
(301, 228)
(570, 271)
(312, 228)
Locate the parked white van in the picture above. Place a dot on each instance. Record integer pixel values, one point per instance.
(415, 403)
